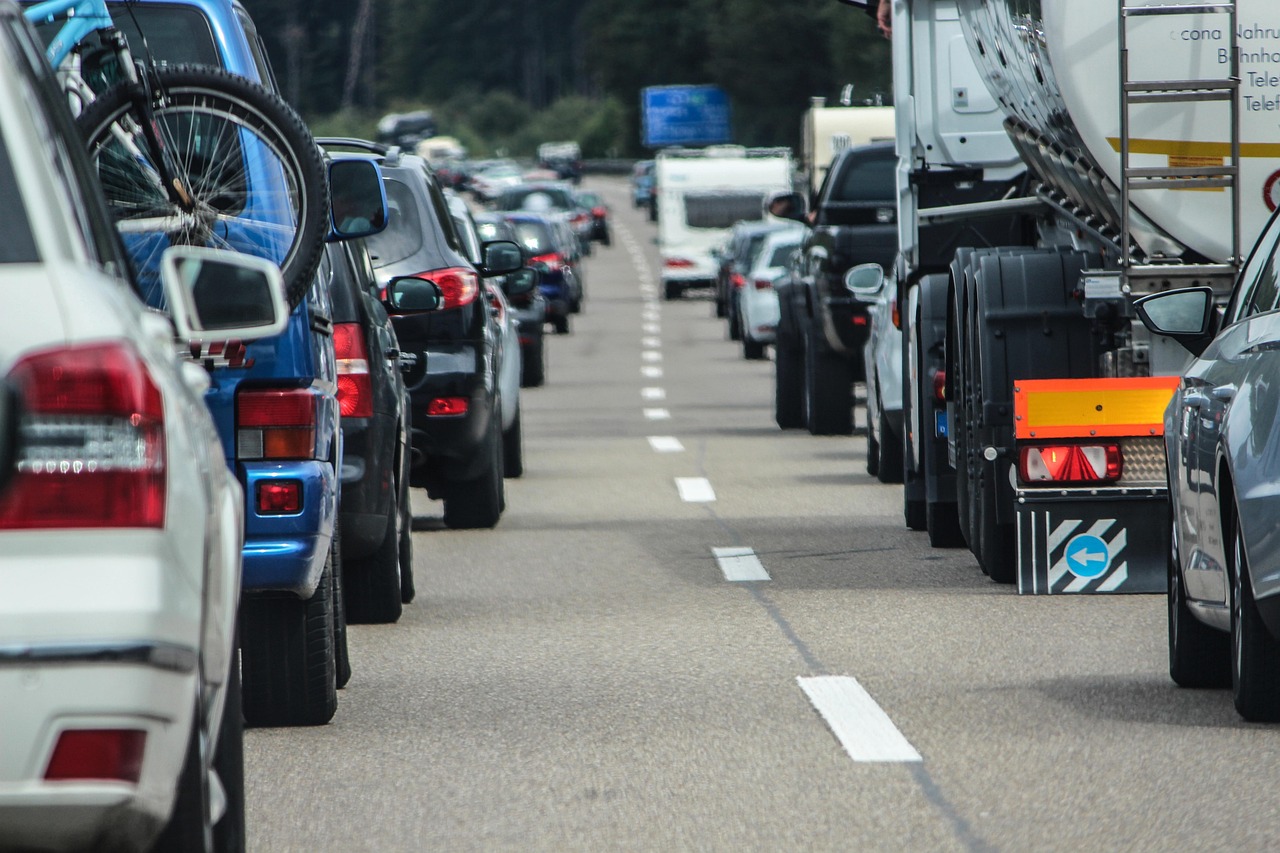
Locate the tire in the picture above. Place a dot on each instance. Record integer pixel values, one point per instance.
(477, 503)
(560, 325)
(533, 369)
(190, 824)
(943, 524)
(288, 662)
(1199, 656)
(373, 584)
(721, 310)
(202, 104)
(1255, 654)
(915, 513)
(890, 466)
(828, 390)
(513, 450)
(735, 320)
(788, 386)
(752, 350)
(873, 451)
(341, 660)
(228, 762)
(996, 541)
(407, 590)
(671, 290)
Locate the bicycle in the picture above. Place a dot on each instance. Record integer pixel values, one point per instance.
(189, 155)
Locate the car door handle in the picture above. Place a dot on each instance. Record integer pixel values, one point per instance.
(393, 354)
(1195, 400)
(1225, 393)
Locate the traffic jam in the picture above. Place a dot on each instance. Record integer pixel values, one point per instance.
(905, 489)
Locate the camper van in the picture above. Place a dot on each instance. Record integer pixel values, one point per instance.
(700, 194)
(826, 131)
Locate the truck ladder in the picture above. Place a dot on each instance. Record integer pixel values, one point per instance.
(1135, 178)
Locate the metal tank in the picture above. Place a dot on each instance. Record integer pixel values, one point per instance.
(1054, 68)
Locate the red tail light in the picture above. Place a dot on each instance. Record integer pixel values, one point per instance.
(677, 263)
(598, 212)
(458, 285)
(939, 385)
(446, 407)
(279, 497)
(552, 260)
(101, 754)
(355, 385)
(276, 424)
(764, 284)
(860, 320)
(736, 281)
(1066, 464)
(92, 442)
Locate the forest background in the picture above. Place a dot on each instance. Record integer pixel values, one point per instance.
(504, 75)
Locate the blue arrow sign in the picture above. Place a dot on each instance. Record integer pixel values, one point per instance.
(1088, 556)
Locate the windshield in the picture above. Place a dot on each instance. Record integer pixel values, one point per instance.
(535, 198)
(403, 235)
(867, 180)
(722, 208)
(534, 237)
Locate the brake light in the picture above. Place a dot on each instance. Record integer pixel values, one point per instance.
(939, 385)
(894, 316)
(736, 281)
(447, 407)
(458, 285)
(92, 442)
(355, 385)
(860, 320)
(275, 424)
(111, 754)
(598, 212)
(764, 284)
(552, 260)
(677, 263)
(1066, 464)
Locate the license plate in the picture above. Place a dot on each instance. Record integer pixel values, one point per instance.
(940, 423)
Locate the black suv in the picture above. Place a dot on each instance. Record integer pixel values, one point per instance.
(450, 353)
(377, 547)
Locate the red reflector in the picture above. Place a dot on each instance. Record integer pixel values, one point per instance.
(1070, 463)
(279, 497)
(447, 407)
(737, 281)
(525, 341)
(859, 320)
(678, 263)
(92, 452)
(763, 284)
(894, 315)
(106, 754)
(939, 385)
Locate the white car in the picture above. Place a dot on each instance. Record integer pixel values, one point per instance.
(882, 356)
(121, 528)
(757, 311)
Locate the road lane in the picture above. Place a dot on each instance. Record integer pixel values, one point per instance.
(584, 677)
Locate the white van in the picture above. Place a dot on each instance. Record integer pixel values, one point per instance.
(700, 194)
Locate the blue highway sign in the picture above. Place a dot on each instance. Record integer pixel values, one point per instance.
(684, 115)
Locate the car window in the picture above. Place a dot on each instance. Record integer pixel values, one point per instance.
(781, 255)
(1259, 283)
(403, 235)
(866, 179)
(18, 245)
(175, 35)
(751, 250)
(533, 236)
(443, 216)
(722, 208)
(470, 240)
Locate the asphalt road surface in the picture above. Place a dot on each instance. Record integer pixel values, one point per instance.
(590, 675)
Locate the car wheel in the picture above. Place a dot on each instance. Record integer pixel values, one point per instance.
(752, 350)
(288, 664)
(407, 591)
(477, 503)
(873, 448)
(998, 556)
(228, 762)
(533, 369)
(513, 450)
(190, 825)
(788, 385)
(373, 583)
(1255, 654)
(561, 325)
(1199, 656)
(889, 449)
(722, 309)
(828, 390)
(943, 524)
(341, 661)
(671, 290)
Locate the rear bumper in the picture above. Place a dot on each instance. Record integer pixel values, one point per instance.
(286, 553)
(368, 481)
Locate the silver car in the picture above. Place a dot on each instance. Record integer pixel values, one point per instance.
(1223, 450)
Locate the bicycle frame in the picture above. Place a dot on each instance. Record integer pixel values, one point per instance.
(82, 18)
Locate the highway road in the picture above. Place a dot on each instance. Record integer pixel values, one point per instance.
(594, 674)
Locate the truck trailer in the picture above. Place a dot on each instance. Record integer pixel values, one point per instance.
(1058, 160)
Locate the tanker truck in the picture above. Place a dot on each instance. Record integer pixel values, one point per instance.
(1059, 159)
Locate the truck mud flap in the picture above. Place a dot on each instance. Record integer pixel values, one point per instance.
(1086, 546)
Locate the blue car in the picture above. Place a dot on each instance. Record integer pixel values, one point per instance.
(548, 245)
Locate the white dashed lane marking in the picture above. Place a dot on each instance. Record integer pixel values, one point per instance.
(657, 414)
(651, 329)
(666, 444)
(651, 355)
(695, 489)
(862, 727)
(652, 343)
(653, 393)
(650, 371)
(740, 564)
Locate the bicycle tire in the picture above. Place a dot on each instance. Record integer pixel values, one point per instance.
(249, 163)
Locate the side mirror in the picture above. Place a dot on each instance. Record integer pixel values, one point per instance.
(793, 206)
(215, 295)
(357, 199)
(501, 257)
(522, 281)
(408, 294)
(9, 421)
(864, 282)
(1185, 315)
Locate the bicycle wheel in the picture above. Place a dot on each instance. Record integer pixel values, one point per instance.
(249, 175)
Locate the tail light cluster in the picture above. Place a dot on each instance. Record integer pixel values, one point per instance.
(459, 286)
(677, 263)
(763, 284)
(553, 261)
(736, 281)
(275, 424)
(1070, 464)
(92, 449)
(355, 385)
(598, 212)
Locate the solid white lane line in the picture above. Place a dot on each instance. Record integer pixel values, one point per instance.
(657, 414)
(651, 355)
(740, 564)
(653, 393)
(695, 489)
(666, 444)
(862, 727)
(650, 371)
